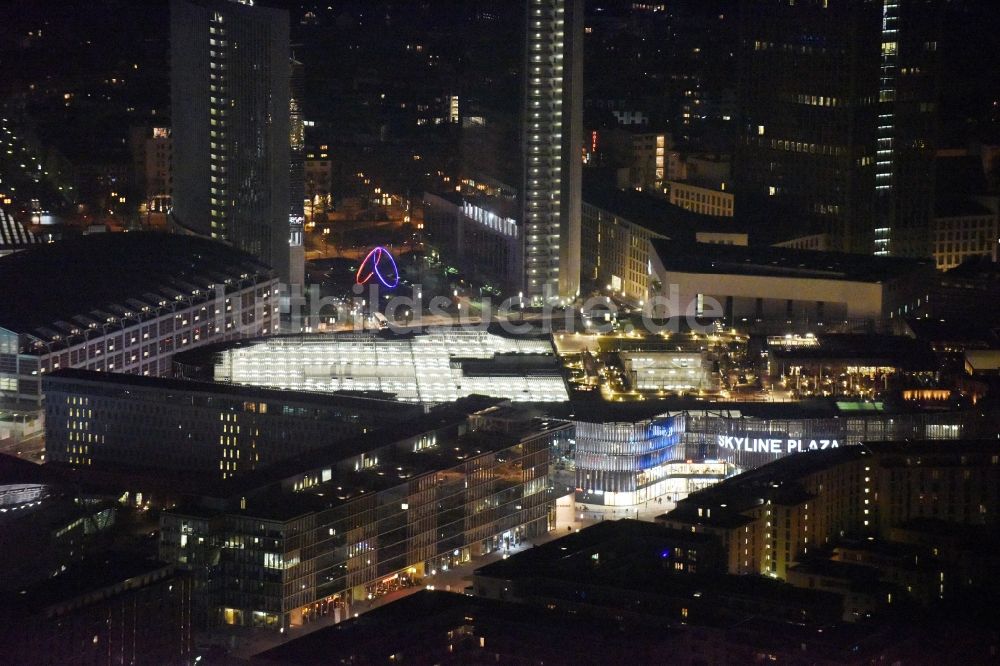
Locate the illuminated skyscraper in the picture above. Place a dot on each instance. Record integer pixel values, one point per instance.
(297, 176)
(230, 68)
(553, 139)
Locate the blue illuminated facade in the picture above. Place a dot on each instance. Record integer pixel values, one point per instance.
(620, 463)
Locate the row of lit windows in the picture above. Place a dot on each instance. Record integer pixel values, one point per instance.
(967, 229)
(789, 48)
(718, 200)
(984, 245)
(818, 100)
(85, 437)
(805, 147)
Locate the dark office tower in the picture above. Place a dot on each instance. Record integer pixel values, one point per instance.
(808, 86)
(907, 126)
(837, 119)
(553, 139)
(230, 121)
(297, 176)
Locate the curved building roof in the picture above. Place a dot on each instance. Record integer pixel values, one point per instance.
(55, 286)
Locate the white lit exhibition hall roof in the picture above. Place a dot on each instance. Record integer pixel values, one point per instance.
(440, 365)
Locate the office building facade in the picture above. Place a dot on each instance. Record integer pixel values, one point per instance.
(99, 418)
(231, 117)
(906, 130)
(125, 303)
(808, 87)
(480, 233)
(617, 228)
(113, 609)
(152, 155)
(838, 118)
(702, 198)
(297, 175)
(649, 160)
(771, 517)
(779, 290)
(553, 143)
(965, 230)
(408, 506)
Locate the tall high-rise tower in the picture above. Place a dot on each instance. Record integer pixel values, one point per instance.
(907, 125)
(552, 140)
(297, 177)
(837, 118)
(231, 114)
(808, 88)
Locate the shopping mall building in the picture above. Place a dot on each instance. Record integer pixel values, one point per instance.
(627, 454)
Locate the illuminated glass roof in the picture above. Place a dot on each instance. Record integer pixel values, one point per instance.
(441, 365)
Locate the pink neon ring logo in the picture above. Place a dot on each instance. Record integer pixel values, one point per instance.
(373, 259)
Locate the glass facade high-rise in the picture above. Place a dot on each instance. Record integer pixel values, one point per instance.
(297, 177)
(231, 116)
(553, 135)
(838, 120)
(907, 124)
(808, 85)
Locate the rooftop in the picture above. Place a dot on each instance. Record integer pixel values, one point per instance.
(656, 214)
(446, 416)
(106, 277)
(600, 411)
(779, 481)
(434, 366)
(718, 259)
(636, 555)
(125, 382)
(418, 629)
(15, 470)
(82, 578)
(897, 350)
(981, 268)
(267, 497)
(960, 208)
(571, 555)
(396, 468)
(775, 221)
(975, 333)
